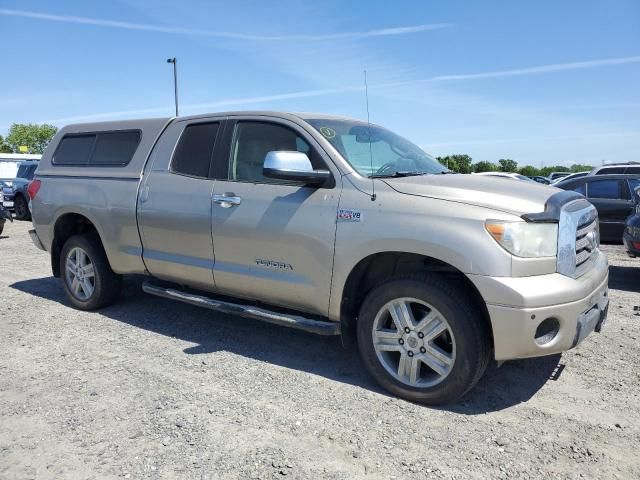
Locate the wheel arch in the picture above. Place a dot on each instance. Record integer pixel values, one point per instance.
(375, 268)
(66, 225)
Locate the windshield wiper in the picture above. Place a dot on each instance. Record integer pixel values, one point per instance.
(398, 174)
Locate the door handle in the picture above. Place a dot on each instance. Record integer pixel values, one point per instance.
(227, 200)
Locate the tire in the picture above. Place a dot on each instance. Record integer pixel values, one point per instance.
(21, 208)
(1, 226)
(103, 286)
(448, 365)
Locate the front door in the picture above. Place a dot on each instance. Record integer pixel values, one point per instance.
(274, 240)
(174, 205)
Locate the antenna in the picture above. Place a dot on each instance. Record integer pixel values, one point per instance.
(366, 96)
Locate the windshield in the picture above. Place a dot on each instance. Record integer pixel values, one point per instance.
(375, 151)
(26, 171)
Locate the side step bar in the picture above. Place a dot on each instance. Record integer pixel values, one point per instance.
(294, 321)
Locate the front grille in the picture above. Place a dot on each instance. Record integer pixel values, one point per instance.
(577, 238)
(586, 244)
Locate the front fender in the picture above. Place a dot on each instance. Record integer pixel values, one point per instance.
(450, 232)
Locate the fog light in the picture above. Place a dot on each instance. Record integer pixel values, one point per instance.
(547, 330)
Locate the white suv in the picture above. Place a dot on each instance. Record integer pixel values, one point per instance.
(630, 168)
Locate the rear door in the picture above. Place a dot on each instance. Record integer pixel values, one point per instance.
(174, 205)
(275, 242)
(611, 198)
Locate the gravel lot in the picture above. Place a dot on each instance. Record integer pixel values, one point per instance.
(149, 388)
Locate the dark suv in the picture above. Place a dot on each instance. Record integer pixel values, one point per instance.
(612, 195)
(15, 196)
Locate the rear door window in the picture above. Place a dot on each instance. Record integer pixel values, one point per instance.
(195, 149)
(605, 189)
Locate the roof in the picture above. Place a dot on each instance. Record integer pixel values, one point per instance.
(618, 164)
(594, 178)
(269, 113)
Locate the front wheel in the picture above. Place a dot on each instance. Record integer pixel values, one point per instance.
(86, 274)
(422, 339)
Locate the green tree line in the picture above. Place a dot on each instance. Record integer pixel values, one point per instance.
(464, 164)
(31, 135)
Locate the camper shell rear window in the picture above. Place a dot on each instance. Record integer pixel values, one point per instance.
(109, 149)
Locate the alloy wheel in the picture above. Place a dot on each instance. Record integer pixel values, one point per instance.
(414, 342)
(80, 274)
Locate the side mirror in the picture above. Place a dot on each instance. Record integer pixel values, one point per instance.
(293, 166)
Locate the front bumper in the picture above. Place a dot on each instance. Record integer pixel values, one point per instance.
(517, 306)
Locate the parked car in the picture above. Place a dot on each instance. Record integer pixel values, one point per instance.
(512, 176)
(556, 175)
(631, 237)
(15, 195)
(435, 274)
(540, 179)
(569, 177)
(629, 168)
(612, 196)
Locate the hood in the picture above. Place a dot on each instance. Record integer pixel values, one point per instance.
(506, 195)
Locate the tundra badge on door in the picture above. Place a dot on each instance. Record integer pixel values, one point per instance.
(273, 264)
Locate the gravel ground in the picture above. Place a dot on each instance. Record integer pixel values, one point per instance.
(149, 388)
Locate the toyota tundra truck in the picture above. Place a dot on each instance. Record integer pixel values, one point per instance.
(329, 225)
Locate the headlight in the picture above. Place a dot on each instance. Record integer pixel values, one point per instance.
(525, 239)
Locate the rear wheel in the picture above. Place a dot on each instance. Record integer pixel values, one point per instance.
(421, 339)
(86, 274)
(22, 208)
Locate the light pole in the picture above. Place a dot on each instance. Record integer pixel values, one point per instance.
(175, 79)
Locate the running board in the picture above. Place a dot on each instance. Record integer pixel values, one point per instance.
(294, 321)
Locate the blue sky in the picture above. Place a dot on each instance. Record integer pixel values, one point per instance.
(542, 82)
